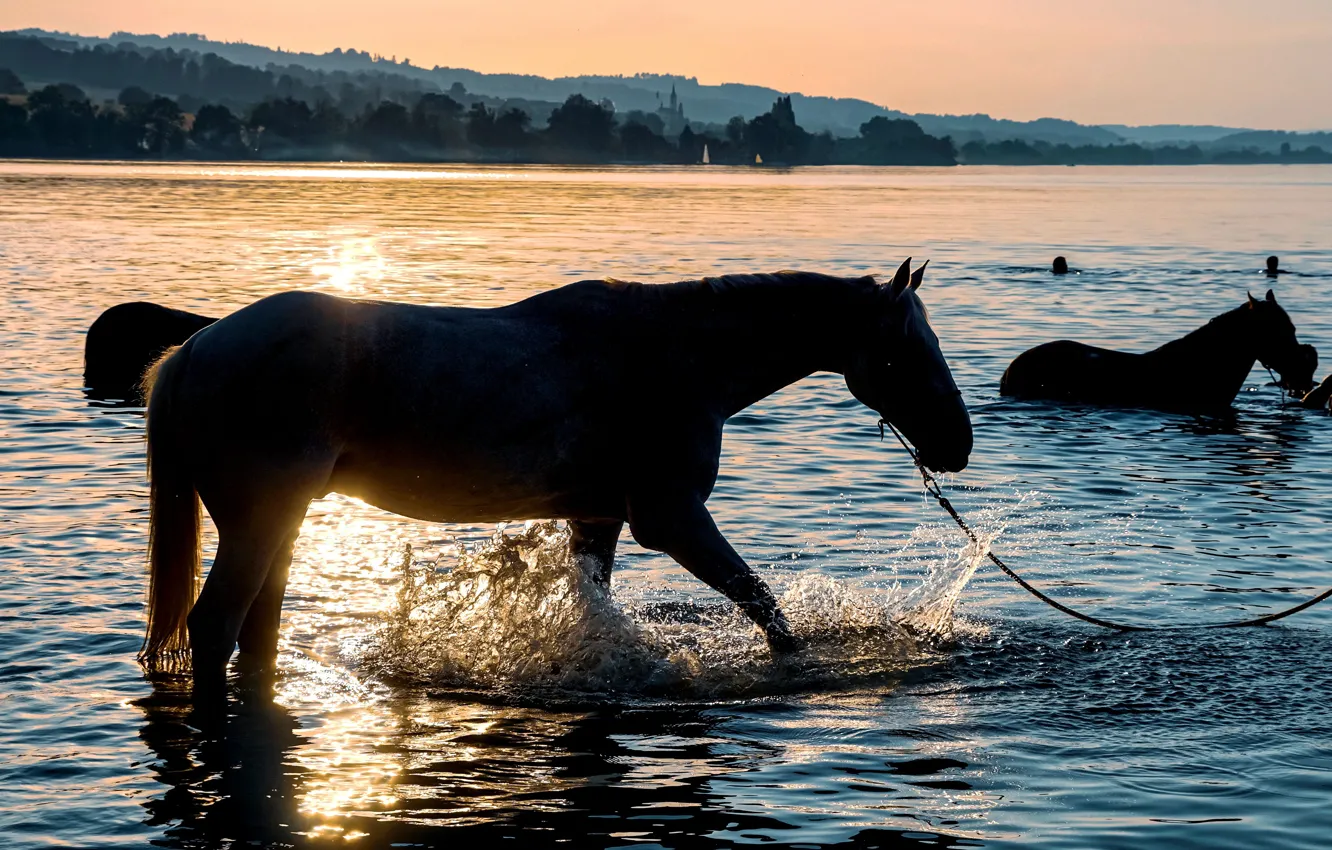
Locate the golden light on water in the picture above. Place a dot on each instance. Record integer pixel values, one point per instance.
(344, 575)
(351, 265)
(346, 766)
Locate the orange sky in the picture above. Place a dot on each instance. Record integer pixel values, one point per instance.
(1256, 63)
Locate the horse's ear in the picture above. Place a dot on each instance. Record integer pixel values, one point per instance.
(901, 279)
(1253, 302)
(918, 275)
(1271, 296)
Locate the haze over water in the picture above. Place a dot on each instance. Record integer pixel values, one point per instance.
(661, 722)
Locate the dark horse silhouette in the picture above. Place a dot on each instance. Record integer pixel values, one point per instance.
(600, 402)
(1200, 372)
(1319, 396)
(126, 339)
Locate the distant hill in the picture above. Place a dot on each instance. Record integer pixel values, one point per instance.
(703, 104)
(1166, 134)
(968, 128)
(1272, 140)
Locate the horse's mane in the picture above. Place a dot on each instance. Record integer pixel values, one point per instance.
(754, 291)
(1219, 324)
(783, 296)
(1241, 312)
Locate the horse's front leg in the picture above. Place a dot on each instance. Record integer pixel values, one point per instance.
(683, 529)
(593, 543)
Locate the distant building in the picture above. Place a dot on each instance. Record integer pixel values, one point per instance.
(672, 116)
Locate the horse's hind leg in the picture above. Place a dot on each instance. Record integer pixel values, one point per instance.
(683, 529)
(247, 546)
(258, 637)
(592, 542)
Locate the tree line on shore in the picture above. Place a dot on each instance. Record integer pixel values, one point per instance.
(223, 110)
(1018, 152)
(59, 120)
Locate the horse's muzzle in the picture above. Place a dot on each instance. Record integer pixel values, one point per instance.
(941, 435)
(947, 450)
(951, 462)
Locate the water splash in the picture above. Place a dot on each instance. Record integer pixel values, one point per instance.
(519, 617)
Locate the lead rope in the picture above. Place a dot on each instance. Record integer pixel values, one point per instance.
(932, 487)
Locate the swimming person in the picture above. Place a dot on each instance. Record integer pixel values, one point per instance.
(1060, 266)
(1273, 267)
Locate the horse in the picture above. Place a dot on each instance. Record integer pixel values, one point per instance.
(1319, 397)
(1198, 373)
(125, 340)
(600, 403)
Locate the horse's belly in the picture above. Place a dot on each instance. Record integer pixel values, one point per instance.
(471, 494)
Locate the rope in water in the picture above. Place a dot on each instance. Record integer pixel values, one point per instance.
(932, 487)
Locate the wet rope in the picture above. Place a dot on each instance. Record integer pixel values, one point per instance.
(932, 487)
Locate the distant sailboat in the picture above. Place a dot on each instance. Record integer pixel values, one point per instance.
(758, 159)
(706, 160)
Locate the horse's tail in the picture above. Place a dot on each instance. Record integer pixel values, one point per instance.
(174, 519)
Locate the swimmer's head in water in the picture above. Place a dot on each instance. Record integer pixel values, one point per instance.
(1060, 266)
(1273, 263)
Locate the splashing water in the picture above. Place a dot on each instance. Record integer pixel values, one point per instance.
(520, 617)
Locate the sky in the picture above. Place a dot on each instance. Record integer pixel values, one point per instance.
(1251, 63)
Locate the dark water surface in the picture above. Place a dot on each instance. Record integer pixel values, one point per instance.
(538, 715)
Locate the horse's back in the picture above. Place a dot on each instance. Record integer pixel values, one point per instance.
(413, 405)
(1065, 370)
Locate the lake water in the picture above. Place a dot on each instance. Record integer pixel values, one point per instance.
(540, 715)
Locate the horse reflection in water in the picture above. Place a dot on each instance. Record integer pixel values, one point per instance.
(251, 774)
(600, 403)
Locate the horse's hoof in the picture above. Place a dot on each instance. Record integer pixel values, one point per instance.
(783, 642)
(210, 684)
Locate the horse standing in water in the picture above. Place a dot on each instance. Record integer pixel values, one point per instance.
(600, 402)
(126, 339)
(1200, 372)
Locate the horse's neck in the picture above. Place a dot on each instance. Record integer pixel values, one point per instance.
(1221, 351)
(757, 341)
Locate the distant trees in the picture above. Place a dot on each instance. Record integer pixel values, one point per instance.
(60, 120)
(292, 112)
(437, 122)
(14, 130)
(501, 131)
(735, 130)
(189, 76)
(897, 141)
(385, 128)
(187, 104)
(282, 120)
(776, 136)
(157, 127)
(581, 125)
(640, 143)
(217, 129)
(10, 83)
(133, 96)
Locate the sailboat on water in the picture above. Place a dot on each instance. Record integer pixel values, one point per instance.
(758, 159)
(706, 159)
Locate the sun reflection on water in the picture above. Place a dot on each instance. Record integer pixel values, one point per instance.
(351, 265)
